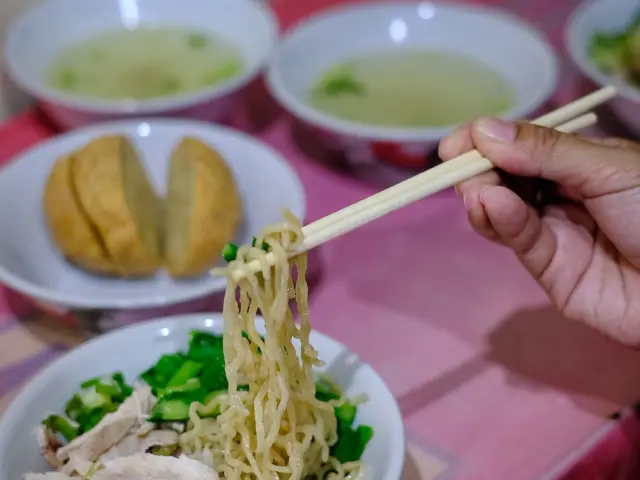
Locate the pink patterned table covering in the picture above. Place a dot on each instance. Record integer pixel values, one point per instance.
(492, 382)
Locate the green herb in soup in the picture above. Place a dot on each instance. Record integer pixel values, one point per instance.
(618, 53)
(411, 88)
(144, 63)
(339, 81)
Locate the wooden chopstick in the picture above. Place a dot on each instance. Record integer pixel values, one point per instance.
(576, 108)
(432, 181)
(435, 179)
(551, 119)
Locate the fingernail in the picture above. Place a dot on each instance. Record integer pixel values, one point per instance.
(466, 202)
(497, 129)
(482, 192)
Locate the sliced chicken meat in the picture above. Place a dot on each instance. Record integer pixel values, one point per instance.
(152, 467)
(145, 428)
(134, 443)
(77, 465)
(112, 428)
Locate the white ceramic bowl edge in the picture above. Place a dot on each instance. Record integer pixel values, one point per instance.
(140, 346)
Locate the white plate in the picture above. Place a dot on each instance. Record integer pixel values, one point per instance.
(31, 263)
(141, 345)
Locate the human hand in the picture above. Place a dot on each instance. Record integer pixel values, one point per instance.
(584, 250)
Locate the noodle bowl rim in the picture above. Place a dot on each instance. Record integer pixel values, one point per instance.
(52, 385)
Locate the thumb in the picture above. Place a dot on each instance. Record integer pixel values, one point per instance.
(588, 168)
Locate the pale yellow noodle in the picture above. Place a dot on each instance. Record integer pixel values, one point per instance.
(277, 430)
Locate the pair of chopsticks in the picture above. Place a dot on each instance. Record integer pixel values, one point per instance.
(568, 119)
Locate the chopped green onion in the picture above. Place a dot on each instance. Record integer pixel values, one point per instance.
(607, 52)
(98, 397)
(92, 399)
(65, 427)
(352, 443)
(210, 396)
(339, 81)
(339, 86)
(210, 412)
(265, 245)
(204, 340)
(187, 371)
(68, 79)
(90, 419)
(164, 450)
(74, 408)
(175, 410)
(171, 85)
(160, 374)
(112, 386)
(189, 386)
(327, 390)
(127, 390)
(222, 73)
(197, 40)
(364, 434)
(207, 349)
(213, 376)
(345, 414)
(229, 252)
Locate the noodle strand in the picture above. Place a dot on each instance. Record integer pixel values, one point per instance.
(273, 427)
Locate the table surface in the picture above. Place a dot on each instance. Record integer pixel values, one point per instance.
(492, 382)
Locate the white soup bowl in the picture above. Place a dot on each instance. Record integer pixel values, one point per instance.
(492, 37)
(35, 39)
(604, 16)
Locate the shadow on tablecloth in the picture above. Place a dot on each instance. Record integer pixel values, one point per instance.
(541, 349)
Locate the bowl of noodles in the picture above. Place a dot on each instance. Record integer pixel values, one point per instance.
(246, 394)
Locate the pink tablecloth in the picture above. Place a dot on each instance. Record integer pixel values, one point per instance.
(492, 382)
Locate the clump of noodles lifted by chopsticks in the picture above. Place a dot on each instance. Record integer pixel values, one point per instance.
(272, 422)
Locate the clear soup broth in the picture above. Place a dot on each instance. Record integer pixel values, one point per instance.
(144, 63)
(411, 88)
